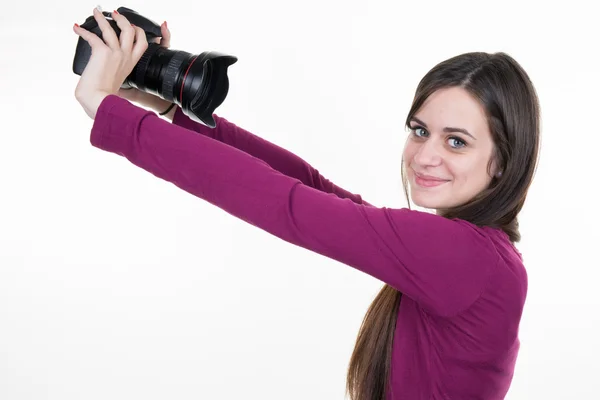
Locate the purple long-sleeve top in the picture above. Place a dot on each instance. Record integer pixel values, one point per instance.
(464, 287)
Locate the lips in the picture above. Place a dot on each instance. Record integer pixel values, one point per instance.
(428, 181)
(430, 178)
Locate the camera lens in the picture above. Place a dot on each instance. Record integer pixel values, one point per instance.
(197, 83)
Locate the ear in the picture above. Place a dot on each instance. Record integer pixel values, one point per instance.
(496, 172)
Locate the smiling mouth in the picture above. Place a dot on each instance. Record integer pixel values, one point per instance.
(424, 182)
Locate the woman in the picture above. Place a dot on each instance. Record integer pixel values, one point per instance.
(445, 325)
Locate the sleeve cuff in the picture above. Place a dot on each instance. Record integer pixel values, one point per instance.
(115, 124)
(180, 119)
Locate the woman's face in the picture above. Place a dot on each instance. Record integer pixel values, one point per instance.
(446, 167)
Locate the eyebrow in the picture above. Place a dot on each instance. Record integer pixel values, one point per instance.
(446, 129)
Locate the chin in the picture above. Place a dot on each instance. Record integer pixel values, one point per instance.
(427, 203)
(433, 201)
(427, 198)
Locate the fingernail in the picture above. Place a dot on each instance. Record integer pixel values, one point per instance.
(165, 24)
(115, 12)
(76, 25)
(99, 8)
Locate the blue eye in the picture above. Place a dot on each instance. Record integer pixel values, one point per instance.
(462, 143)
(458, 142)
(414, 130)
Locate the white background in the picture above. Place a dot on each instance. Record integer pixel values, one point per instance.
(117, 285)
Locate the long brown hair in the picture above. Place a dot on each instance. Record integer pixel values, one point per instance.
(513, 114)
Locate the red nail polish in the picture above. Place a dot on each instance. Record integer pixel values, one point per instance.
(77, 25)
(115, 12)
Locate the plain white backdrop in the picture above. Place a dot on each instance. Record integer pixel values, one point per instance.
(117, 285)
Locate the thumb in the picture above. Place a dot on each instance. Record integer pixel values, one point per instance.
(165, 41)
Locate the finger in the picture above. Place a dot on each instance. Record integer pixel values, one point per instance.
(108, 33)
(127, 32)
(165, 41)
(140, 45)
(93, 40)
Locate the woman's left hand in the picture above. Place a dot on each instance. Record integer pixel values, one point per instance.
(112, 60)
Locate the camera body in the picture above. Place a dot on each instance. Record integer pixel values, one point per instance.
(197, 83)
(84, 51)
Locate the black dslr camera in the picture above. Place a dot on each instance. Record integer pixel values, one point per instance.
(197, 83)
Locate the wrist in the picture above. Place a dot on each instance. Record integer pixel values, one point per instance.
(92, 104)
(168, 110)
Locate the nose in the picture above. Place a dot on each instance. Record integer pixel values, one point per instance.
(429, 153)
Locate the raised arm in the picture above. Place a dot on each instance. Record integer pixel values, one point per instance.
(277, 157)
(442, 264)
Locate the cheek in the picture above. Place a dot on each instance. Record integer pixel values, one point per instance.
(406, 162)
(472, 172)
(409, 152)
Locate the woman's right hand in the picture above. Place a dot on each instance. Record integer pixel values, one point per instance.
(146, 99)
